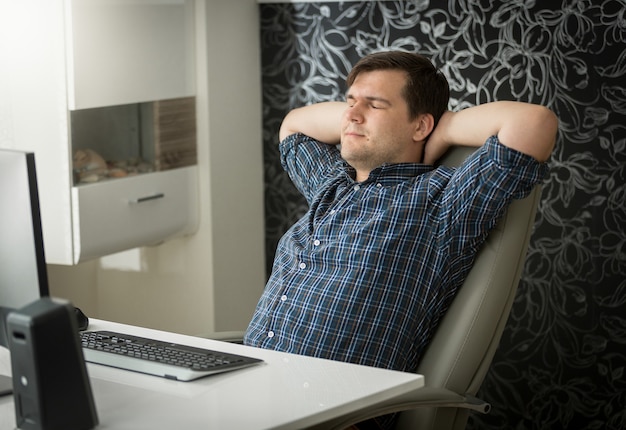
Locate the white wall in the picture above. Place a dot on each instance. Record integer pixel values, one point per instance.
(210, 281)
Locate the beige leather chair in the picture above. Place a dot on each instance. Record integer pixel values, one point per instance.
(457, 359)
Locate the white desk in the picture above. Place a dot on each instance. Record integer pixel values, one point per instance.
(285, 392)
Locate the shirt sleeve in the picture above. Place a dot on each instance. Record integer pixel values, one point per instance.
(480, 190)
(308, 163)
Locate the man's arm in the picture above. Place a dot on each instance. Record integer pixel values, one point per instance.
(321, 121)
(527, 128)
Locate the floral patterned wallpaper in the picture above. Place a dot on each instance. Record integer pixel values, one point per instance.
(562, 359)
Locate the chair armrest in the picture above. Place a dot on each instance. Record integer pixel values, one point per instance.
(440, 397)
(426, 397)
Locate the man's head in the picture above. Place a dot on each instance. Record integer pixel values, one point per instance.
(394, 101)
(426, 89)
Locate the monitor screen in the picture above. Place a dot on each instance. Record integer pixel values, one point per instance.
(23, 273)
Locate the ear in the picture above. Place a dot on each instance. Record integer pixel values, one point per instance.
(424, 124)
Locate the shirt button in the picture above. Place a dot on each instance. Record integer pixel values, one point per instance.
(357, 187)
(379, 185)
(316, 242)
(302, 265)
(332, 211)
(270, 334)
(283, 298)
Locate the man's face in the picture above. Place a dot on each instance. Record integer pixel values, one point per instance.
(375, 127)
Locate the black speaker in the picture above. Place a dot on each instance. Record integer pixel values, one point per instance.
(50, 383)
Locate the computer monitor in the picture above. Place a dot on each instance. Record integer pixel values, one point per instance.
(23, 273)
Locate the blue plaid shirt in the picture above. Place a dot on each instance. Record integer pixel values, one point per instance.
(367, 273)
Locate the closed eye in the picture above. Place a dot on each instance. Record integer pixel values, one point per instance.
(373, 102)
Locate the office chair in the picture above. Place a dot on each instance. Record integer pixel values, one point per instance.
(460, 353)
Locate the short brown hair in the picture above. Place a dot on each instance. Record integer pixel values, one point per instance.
(426, 89)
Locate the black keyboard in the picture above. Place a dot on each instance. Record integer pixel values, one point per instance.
(155, 357)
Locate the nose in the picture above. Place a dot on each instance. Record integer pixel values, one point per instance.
(354, 114)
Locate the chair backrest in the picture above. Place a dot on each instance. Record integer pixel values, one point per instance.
(465, 342)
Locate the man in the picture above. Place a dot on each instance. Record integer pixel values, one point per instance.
(367, 273)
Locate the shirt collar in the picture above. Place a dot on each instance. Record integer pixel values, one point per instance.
(389, 174)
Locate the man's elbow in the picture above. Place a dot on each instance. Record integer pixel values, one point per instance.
(535, 134)
(285, 131)
(547, 126)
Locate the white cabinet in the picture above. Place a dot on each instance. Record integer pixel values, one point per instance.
(128, 51)
(63, 55)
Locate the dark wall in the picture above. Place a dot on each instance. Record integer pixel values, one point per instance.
(562, 360)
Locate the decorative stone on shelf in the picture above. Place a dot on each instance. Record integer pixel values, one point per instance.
(90, 167)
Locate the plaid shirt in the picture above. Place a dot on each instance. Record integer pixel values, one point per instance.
(367, 273)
